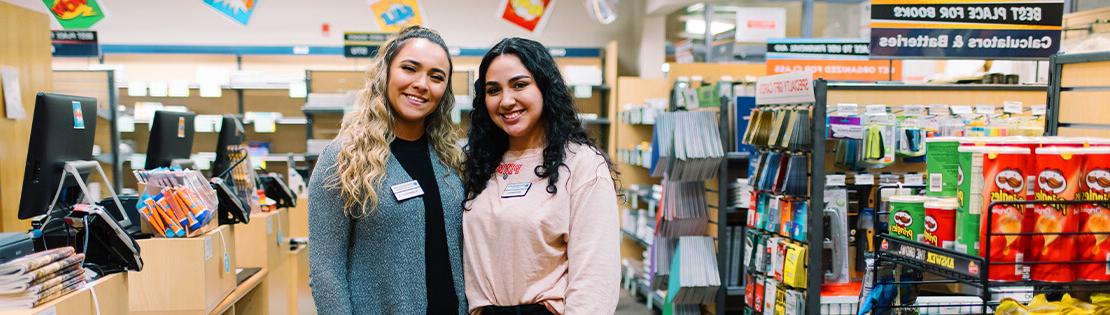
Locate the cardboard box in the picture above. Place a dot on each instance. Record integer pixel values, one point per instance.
(262, 244)
(184, 275)
(111, 294)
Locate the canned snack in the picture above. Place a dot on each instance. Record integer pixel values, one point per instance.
(1094, 218)
(941, 164)
(940, 222)
(907, 217)
(1057, 178)
(1000, 172)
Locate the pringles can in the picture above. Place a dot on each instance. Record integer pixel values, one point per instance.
(940, 222)
(999, 172)
(1094, 217)
(907, 217)
(1057, 172)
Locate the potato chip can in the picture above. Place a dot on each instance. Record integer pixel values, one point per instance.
(1057, 172)
(1094, 217)
(967, 216)
(940, 222)
(907, 217)
(1000, 172)
(941, 161)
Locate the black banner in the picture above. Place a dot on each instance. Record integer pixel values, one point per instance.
(1036, 13)
(939, 29)
(818, 48)
(75, 44)
(364, 44)
(941, 43)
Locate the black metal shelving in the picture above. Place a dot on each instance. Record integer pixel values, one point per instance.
(974, 271)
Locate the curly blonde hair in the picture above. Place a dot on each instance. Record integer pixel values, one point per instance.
(367, 131)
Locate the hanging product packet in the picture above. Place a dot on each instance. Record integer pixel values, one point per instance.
(999, 172)
(1057, 171)
(1095, 217)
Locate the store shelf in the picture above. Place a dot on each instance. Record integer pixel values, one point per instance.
(234, 86)
(737, 155)
(310, 110)
(635, 238)
(595, 121)
(657, 300)
(734, 291)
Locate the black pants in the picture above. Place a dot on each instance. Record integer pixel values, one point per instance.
(528, 309)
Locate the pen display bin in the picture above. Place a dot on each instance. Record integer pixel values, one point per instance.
(184, 275)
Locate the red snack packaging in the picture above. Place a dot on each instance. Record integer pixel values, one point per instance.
(940, 222)
(1002, 176)
(1057, 171)
(1094, 185)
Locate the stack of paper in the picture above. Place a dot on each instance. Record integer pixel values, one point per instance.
(662, 249)
(683, 210)
(689, 146)
(40, 277)
(780, 128)
(694, 275)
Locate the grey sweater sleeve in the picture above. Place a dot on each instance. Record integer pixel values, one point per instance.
(329, 235)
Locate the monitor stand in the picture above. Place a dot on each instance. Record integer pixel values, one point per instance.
(182, 163)
(112, 249)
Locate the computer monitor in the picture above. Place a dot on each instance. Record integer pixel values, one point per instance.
(62, 129)
(231, 139)
(171, 139)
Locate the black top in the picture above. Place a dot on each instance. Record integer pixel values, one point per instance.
(416, 159)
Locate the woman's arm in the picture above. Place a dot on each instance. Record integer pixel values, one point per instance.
(329, 235)
(593, 248)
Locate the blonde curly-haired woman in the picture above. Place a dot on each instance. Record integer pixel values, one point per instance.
(385, 197)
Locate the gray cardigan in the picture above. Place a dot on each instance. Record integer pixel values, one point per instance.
(375, 264)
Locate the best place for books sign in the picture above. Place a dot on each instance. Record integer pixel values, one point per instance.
(941, 29)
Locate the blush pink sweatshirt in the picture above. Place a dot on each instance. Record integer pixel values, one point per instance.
(561, 250)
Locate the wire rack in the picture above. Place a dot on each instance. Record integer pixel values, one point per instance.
(954, 267)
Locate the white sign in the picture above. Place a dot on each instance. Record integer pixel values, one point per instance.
(1011, 107)
(759, 24)
(787, 88)
(13, 95)
(1038, 110)
(914, 110)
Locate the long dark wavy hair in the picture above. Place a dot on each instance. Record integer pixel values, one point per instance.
(488, 142)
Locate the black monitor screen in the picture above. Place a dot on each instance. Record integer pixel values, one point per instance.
(63, 129)
(171, 138)
(228, 144)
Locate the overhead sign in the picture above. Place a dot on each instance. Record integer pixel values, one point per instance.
(839, 59)
(965, 28)
(756, 24)
(394, 15)
(238, 10)
(840, 70)
(789, 88)
(528, 14)
(76, 14)
(363, 44)
(74, 44)
(818, 48)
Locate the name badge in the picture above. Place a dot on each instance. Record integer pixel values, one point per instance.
(516, 190)
(404, 191)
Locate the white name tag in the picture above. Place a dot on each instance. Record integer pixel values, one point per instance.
(516, 190)
(407, 190)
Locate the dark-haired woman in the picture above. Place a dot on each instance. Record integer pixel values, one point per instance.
(541, 231)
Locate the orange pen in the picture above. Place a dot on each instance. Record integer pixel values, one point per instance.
(155, 222)
(169, 219)
(151, 210)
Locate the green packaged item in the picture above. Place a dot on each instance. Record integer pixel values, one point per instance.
(968, 198)
(942, 166)
(907, 217)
